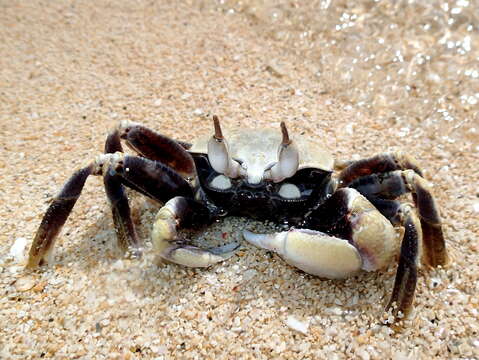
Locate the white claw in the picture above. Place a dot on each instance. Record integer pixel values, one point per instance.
(311, 251)
(171, 248)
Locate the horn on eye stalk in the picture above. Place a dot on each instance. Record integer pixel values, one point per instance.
(218, 153)
(288, 159)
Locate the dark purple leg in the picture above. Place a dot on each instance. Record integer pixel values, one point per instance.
(55, 217)
(406, 273)
(381, 163)
(120, 209)
(125, 229)
(113, 142)
(151, 178)
(155, 179)
(158, 147)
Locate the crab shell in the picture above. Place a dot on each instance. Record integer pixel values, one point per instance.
(257, 149)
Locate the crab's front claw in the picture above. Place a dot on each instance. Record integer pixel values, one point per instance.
(311, 251)
(182, 212)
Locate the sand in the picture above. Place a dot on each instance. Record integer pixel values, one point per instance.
(70, 71)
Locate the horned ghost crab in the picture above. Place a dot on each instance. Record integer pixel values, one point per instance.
(339, 222)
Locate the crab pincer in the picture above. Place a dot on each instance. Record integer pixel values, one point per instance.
(312, 251)
(178, 213)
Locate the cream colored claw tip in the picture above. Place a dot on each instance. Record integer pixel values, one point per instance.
(192, 256)
(311, 251)
(272, 242)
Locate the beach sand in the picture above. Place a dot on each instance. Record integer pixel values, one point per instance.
(71, 71)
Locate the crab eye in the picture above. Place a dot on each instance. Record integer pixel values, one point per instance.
(288, 159)
(221, 182)
(218, 153)
(289, 191)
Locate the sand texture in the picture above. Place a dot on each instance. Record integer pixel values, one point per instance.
(361, 79)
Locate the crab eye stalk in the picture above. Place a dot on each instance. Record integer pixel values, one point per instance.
(218, 133)
(218, 153)
(288, 159)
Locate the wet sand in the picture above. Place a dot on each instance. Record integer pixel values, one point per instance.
(69, 72)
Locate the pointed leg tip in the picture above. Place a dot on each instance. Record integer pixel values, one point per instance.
(393, 315)
(36, 261)
(32, 264)
(40, 254)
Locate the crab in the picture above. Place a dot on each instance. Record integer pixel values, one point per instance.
(340, 219)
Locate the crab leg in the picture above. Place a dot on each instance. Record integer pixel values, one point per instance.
(125, 230)
(356, 220)
(55, 217)
(113, 142)
(381, 163)
(181, 212)
(377, 188)
(150, 178)
(158, 147)
(406, 273)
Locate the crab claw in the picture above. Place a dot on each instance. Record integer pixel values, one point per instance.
(311, 251)
(218, 153)
(288, 159)
(176, 213)
(192, 256)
